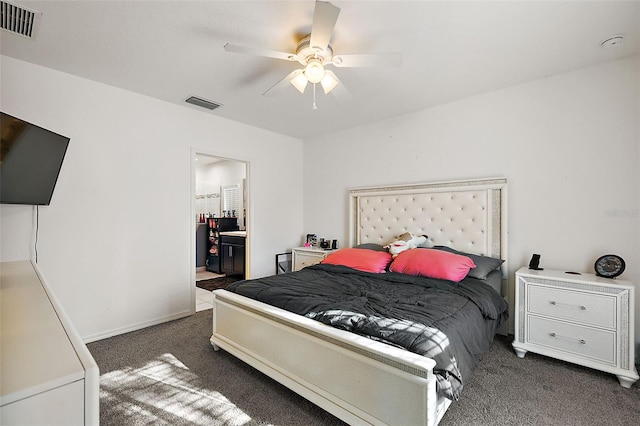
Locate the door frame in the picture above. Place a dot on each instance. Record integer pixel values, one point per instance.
(195, 151)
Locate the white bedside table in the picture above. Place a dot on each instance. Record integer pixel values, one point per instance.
(307, 256)
(584, 319)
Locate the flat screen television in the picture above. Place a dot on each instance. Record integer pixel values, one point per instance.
(30, 161)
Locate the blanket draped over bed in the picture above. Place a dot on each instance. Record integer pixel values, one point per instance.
(451, 323)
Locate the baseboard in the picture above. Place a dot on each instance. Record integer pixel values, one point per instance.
(138, 326)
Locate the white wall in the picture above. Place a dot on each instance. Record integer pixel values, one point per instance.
(211, 178)
(568, 145)
(116, 241)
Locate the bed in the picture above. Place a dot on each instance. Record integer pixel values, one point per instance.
(364, 380)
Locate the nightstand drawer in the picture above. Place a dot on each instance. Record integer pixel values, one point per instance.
(304, 259)
(579, 318)
(586, 308)
(584, 341)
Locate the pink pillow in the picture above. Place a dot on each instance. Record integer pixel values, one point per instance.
(360, 259)
(433, 264)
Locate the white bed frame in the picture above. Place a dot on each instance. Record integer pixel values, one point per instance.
(357, 379)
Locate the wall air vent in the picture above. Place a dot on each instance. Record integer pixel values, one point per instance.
(202, 103)
(17, 19)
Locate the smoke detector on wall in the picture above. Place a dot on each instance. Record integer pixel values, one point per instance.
(612, 41)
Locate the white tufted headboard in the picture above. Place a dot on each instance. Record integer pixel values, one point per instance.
(468, 215)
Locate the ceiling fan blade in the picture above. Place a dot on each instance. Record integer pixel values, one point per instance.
(341, 93)
(282, 83)
(260, 52)
(325, 17)
(368, 60)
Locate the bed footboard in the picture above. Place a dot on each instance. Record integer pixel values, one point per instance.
(356, 379)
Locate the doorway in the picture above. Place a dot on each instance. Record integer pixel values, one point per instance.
(220, 201)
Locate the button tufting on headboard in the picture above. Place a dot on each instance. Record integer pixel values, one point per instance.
(466, 215)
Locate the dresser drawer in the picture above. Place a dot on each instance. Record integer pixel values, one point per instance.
(586, 308)
(304, 259)
(580, 340)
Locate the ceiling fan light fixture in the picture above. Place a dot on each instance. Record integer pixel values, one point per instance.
(314, 71)
(329, 82)
(313, 52)
(299, 81)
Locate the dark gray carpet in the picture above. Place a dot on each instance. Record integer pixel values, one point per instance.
(169, 375)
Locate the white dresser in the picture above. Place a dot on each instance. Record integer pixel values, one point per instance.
(584, 319)
(306, 256)
(47, 375)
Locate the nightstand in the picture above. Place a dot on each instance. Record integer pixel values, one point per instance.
(307, 256)
(579, 318)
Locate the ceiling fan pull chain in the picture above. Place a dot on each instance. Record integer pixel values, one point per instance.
(314, 96)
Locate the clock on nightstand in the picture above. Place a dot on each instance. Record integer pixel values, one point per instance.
(609, 266)
(579, 318)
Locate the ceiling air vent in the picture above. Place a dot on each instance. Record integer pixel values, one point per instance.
(17, 19)
(202, 103)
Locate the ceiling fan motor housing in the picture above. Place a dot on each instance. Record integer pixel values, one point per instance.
(305, 52)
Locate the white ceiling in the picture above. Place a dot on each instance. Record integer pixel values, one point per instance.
(171, 50)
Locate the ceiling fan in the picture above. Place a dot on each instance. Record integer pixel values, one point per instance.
(314, 53)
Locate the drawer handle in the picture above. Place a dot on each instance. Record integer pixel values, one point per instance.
(581, 307)
(581, 341)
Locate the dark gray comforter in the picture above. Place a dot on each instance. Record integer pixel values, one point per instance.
(452, 323)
